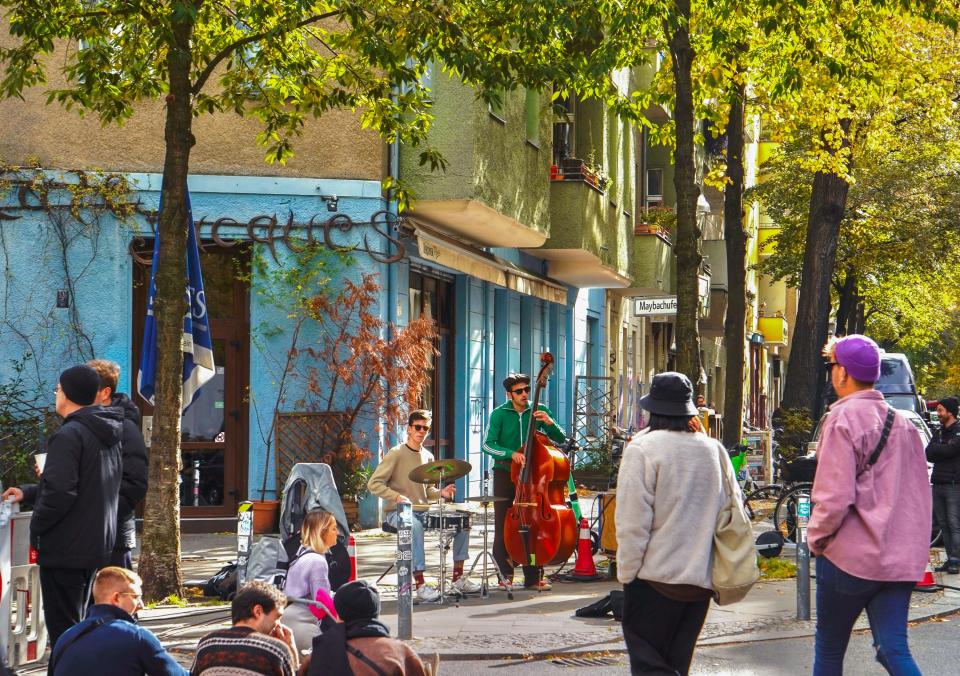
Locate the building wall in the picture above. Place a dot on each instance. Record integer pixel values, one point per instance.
(333, 146)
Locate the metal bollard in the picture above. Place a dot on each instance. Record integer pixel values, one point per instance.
(803, 558)
(404, 573)
(244, 539)
(196, 483)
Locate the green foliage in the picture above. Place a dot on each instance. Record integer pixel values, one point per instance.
(776, 569)
(22, 427)
(794, 428)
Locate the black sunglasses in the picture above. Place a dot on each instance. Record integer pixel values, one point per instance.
(421, 428)
(521, 390)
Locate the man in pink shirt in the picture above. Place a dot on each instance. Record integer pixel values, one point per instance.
(870, 524)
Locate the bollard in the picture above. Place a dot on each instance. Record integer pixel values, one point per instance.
(803, 558)
(244, 539)
(196, 483)
(404, 574)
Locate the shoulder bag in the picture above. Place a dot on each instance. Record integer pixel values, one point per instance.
(734, 570)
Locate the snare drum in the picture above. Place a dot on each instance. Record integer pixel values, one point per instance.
(453, 519)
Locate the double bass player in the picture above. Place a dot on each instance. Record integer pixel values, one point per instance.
(504, 442)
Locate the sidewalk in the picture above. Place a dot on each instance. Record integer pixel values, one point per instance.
(529, 624)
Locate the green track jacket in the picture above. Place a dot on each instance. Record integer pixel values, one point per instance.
(507, 430)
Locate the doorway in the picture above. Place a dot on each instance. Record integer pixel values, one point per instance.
(213, 434)
(432, 295)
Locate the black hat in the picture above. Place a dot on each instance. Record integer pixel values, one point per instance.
(670, 394)
(952, 404)
(357, 600)
(80, 384)
(515, 378)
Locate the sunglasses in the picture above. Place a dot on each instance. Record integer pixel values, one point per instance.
(521, 390)
(421, 428)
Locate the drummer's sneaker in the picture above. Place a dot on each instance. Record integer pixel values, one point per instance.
(543, 585)
(465, 585)
(427, 593)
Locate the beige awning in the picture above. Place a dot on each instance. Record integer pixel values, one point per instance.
(460, 256)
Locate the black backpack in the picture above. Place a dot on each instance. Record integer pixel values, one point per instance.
(223, 583)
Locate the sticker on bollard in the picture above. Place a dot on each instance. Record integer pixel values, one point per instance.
(803, 507)
(404, 577)
(244, 539)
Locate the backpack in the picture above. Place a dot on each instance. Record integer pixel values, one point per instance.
(223, 583)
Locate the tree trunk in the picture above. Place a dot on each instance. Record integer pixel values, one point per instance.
(687, 247)
(805, 370)
(734, 329)
(159, 564)
(847, 301)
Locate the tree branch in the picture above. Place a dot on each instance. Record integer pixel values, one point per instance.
(231, 48)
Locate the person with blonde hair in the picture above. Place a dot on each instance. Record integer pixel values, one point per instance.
(308, 573)
(111, 630)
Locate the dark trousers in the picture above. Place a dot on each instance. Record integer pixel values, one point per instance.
(946, 507)
(66, 593)
(841, 598)
(121, 558)
(660, 633)
(503, 488)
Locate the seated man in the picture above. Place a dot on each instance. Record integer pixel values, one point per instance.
(391, 481)
(111, 632)
(256, 643)
(360, 643)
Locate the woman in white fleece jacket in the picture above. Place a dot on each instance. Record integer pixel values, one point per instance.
(670, 490)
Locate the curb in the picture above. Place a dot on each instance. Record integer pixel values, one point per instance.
(620, 649)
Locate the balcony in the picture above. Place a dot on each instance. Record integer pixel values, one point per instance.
(715, 251)
(495, 190)
(774, 329)
(584, 249)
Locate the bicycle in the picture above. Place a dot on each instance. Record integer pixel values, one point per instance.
(766, 503)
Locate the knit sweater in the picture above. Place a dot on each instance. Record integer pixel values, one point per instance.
(239, 651)
(670, 490)
(392, 477)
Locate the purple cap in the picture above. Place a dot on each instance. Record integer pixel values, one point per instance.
(860, 356)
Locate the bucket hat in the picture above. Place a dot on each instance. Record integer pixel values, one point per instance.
(670, 394)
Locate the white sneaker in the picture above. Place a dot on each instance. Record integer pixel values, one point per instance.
(427, 593)
(465, 585)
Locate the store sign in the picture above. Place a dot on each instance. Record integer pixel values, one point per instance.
(646, 307)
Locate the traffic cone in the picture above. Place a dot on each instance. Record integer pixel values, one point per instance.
(927, 583)
(584, 571)
(352, 553)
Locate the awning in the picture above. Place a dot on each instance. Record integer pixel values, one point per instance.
(460, 256)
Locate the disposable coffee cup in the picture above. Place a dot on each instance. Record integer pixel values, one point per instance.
(41, 459)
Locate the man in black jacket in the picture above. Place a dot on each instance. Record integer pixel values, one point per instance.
(133, 455)
(944, 452)
(74, 522)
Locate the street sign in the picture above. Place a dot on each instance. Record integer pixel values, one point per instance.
(645, 307)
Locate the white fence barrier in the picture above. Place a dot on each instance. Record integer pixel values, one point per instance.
(23, 635)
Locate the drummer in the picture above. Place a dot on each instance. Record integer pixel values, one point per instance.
(391, 481)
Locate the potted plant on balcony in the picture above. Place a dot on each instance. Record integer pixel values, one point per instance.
(660, 221)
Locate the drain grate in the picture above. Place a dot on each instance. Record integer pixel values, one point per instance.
(586, 661)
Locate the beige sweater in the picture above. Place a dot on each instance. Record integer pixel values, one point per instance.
(669, 492)
(392, 477)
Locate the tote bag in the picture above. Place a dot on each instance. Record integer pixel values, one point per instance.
(734, 569)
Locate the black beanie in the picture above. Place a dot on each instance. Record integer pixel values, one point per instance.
(357, 600)
(952, 404)
(80, 384)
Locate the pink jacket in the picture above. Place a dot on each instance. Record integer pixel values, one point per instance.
(871, 523)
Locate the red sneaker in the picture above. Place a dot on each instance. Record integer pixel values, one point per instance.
(543, 585)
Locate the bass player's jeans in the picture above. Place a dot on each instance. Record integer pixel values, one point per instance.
(840, 600)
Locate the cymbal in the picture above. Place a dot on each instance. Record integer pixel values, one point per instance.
(487, 498)
(431, 472)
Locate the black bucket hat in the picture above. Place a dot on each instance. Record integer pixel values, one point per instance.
(670, 394)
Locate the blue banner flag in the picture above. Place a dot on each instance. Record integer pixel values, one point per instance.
(198, 366)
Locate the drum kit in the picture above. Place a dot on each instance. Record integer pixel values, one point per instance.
(455, 517)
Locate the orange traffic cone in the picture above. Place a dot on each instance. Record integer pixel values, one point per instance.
(352, 552)
(927, 583)
(584, 571)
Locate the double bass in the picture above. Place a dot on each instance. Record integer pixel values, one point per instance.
(540, 528)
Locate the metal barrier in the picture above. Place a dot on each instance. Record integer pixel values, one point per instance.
(23, 634)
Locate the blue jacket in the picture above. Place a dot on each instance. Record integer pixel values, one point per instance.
(129, 649)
